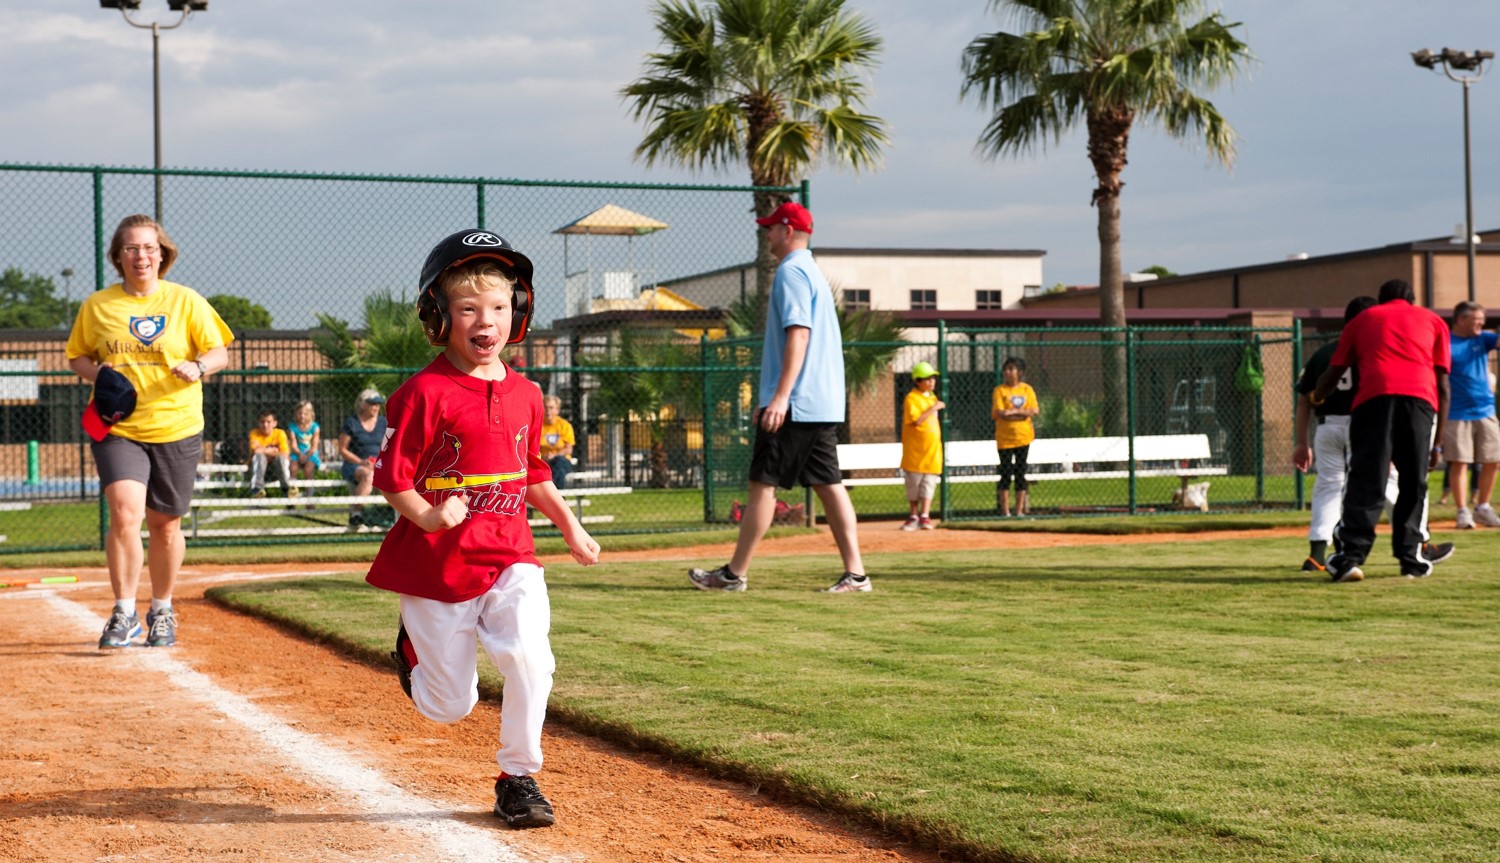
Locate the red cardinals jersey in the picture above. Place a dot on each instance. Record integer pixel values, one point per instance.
(450, 433)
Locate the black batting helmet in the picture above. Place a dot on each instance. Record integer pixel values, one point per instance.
(460, 248)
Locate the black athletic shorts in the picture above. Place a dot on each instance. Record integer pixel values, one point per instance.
(796, 454)
(167, 470)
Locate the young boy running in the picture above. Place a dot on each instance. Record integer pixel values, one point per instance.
(460, 463)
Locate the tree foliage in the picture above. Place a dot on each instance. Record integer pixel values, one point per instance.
(29, 302)
(772, 84)
(239, 313)
(1105, 63)
(392, 339)
(651, 378)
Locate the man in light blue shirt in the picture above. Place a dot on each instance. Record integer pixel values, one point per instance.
(800, 407)
(1473, 433)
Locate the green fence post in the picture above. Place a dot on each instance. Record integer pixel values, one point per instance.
(1130, 411)
(708, 432)
(479, 204)
(1260, 436)
(98, 232)
(33, 463)
(946, 509)
(1297, 476)
(806, 194)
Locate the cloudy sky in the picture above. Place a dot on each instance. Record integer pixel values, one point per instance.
(1345, 144)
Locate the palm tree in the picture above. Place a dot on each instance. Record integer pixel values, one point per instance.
(1106, 62)
(772, 83)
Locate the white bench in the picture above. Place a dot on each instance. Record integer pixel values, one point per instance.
(1155, 455)
(254, 507)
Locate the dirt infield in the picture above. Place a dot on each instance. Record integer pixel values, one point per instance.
(247, 744)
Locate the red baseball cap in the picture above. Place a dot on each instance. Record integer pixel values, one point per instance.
(791, 214)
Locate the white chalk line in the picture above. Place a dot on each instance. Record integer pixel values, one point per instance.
(453, 839)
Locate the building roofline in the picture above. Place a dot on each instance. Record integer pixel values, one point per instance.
(850, 251)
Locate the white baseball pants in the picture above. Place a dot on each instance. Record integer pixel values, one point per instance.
(1331, 466)
(510, 621)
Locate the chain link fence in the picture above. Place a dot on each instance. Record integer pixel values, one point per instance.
(659, 394)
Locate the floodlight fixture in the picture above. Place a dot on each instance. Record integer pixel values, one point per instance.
(184, 10)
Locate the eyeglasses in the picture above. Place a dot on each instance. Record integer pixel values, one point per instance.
(148, 251)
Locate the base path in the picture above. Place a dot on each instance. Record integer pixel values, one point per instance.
(248, 744)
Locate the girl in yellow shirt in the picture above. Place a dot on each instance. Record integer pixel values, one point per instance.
(1013, 407)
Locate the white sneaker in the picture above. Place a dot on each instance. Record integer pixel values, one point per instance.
(910, 524)
(1486, 515)
(1465, 519)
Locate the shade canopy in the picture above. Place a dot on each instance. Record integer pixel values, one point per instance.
(613, 220)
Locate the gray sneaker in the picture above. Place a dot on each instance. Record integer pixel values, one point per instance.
(1485, 514)
(717, 579)
(120, 629)
(851, 583)
(161, 628)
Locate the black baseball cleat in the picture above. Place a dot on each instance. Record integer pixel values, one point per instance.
(521, 803)
(403, 665)
(1437, 552)
(1312, 565)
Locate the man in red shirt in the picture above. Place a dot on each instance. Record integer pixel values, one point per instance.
(1401, 355)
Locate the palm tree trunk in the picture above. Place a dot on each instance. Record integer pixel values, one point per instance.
(1109, 138)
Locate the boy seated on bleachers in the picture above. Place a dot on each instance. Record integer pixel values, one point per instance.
(269, 444)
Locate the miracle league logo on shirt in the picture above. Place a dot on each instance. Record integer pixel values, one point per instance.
(148, 329)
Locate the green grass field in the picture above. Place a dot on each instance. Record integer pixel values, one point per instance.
(1193, 701)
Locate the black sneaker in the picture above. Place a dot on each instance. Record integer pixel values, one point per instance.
(722, 578)
(403, 665)
(1437, 552)
(1413, 572)
(1311, 565)
(120, 629)
(161, 628)
(521, 803)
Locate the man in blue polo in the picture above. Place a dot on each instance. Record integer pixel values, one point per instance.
(801, 405)
(1472, 436)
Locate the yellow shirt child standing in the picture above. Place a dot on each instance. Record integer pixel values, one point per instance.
(921, 445)
(1011, 433)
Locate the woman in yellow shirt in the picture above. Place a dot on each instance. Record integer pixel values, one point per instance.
(1013, 407)
(164, 338)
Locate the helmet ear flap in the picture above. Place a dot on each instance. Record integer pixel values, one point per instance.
(434, 317)
(520, 312)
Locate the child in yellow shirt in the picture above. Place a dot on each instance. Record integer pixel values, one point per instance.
(269, 444)
(921, 445)
(1013, 407)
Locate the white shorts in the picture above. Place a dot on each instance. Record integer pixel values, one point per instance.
(920, 486)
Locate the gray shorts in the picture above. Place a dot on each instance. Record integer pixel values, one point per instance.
(920, 486)
(167, 470)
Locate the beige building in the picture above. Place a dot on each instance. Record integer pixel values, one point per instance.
(896, 279)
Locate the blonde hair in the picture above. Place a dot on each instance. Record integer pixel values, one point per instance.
(552, 400)
(140, 220)
(312, 411)
(365, 395)
(473, 279)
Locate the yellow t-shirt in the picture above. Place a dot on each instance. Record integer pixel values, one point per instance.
(921, 443)
(143, 338)
(1013, 433)
(276, 438)
(556, 436)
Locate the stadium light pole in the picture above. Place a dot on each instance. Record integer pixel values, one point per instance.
(1462, 61)
(185, 10)
(67, 274)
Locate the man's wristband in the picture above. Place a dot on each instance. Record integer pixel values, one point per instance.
(1313, 399)
(1438, 448)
